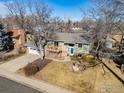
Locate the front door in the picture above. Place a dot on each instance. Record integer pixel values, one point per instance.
(71, 51)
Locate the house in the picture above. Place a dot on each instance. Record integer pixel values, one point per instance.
(109, 42)
(18, 36)
(62, 45)
(31, 48)
(65, 44)
(113, 41)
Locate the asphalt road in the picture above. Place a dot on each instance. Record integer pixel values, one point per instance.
(8, 86)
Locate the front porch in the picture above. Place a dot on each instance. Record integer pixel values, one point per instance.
(54, 52)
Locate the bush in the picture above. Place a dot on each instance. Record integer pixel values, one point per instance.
(37, 65)
(31, 69)
(75, 58)
(93, 62)
(89, 59)
(6, 57)
(21, 50)
(86, 58)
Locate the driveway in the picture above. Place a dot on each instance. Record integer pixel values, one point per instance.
(14, 65)
(8, 86)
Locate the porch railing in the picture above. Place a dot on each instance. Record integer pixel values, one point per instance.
(54, 48)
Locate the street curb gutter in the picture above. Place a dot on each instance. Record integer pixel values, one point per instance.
(35, 84)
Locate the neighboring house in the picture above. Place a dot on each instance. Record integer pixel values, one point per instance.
(76, 29)
(113, 41)
(109, 42)
(68, 44)
(31, 48)
(18, 36)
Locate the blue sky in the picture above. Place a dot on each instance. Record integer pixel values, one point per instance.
(69, 9)
(65, 9)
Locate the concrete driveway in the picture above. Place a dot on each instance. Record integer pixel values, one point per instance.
(14, 65)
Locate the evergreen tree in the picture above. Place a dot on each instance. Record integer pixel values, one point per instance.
(6, 42)
(1, 27)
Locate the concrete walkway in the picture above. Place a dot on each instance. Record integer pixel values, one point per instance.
(8, 70)
(14, 65)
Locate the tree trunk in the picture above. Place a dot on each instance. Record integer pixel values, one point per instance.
(121, 43)
(41, 52)
(97, 50)
(44, 54)
(98, 45)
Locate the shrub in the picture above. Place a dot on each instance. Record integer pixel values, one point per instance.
(87, 58)
(75, 58)
(37, 65)
(93, 62)
(31, 69)
(21, 50)
(8, 56)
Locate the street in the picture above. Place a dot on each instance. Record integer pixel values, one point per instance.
(8, 86)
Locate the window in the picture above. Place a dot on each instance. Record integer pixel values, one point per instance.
(71, 45)
(79, 45)
(56, 43)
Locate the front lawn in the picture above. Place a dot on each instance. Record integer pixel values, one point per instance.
(91, 80)
(58, 73)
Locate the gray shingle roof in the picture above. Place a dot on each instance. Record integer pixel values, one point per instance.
(71, 37)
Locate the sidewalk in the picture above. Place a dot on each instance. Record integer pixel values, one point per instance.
(35, 84)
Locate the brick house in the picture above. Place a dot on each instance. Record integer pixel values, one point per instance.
(18, 36)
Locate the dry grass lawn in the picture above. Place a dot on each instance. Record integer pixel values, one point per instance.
(89, 81)
(58, 73)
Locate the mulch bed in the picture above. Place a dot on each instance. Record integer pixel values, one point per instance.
(37, 65)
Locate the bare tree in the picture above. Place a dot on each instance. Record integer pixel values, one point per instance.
(43, 16)
(108, 16)
(57, 24)
(68, 25)
(17, 10)
(32, 14)
(105, 14)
